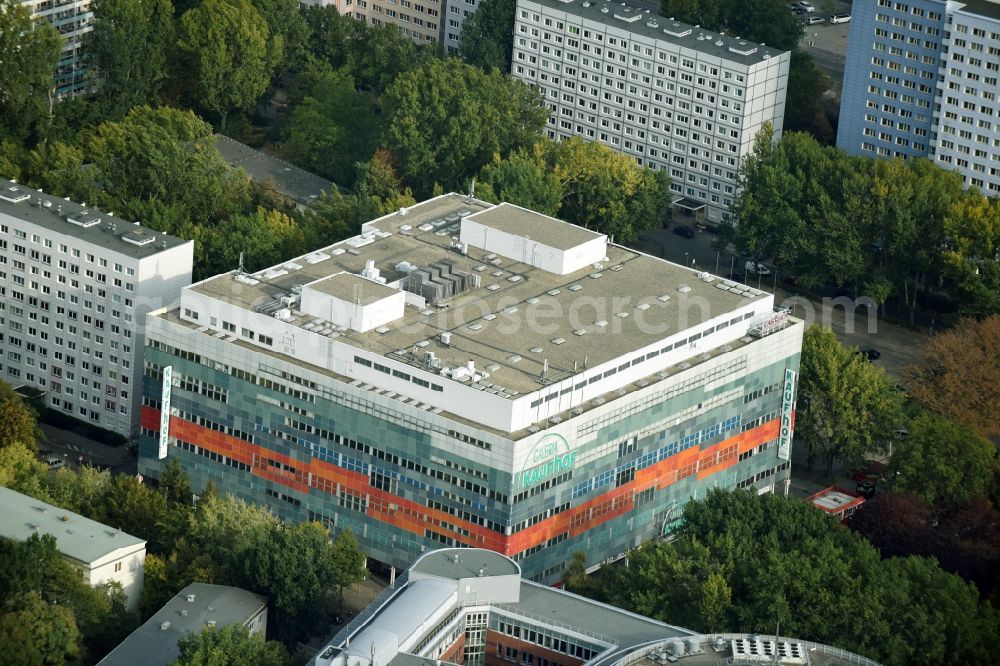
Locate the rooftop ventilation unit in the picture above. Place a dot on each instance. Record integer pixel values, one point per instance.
(138, 237)
(14, 194)
(85, 220)
(439, 281)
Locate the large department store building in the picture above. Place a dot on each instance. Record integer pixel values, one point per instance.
(470, 374)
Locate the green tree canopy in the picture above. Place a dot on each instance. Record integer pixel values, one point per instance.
(958, 374)
(332, 126)
(942, 462)
(34, 632)
(29, 51)
(487, 38)
(763, 21)
(161, 167)
(286, 23)
(232, 645)
(525, 178)
(447, 119)
(17, 419)
(606, 191)
(129, 47)
(847, 407)
(230, 54)
(743, 562)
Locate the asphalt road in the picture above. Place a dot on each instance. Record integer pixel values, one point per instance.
(70, 446)
(851, 321)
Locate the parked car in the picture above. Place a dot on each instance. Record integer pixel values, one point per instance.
(813, 20)
(55, 462)
(758, 268)
(804, 6)
(870, 354)
(840, 18)
(684, 231)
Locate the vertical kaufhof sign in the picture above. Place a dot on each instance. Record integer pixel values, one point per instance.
(787, 406)
(168, 374)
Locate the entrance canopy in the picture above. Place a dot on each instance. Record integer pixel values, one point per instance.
(689, 204)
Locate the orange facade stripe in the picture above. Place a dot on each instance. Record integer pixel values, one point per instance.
(416, 518)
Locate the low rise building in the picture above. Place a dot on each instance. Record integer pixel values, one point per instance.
(101, 553)
(471, 606)
(197, 607)
(75, 286)
(298, 185)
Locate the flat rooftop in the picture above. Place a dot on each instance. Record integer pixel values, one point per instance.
(987, 8)
(152, 644)
(79, 538)
(641, 20)
(523, 325)
(529, 224)
(295, 183)
(443, 563)
(55, 214)
(353, 288)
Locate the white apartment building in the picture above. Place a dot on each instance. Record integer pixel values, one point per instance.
(673, 96)
(75, 286)
(101, 553)
(457, 12)
(72, 19)
(966, 125)
(420, 20)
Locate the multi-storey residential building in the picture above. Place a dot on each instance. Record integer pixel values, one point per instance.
(464, 373)
(921, 81)
(101, 553)
(420, 20)
(72, 19)
(75, 285)
(457, 12)
(471, 606)
(673, 96)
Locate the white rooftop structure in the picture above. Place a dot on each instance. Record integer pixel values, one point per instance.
(497, 314)
(102, 553)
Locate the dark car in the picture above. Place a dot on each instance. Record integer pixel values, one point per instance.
(684, 231)
(870, 354)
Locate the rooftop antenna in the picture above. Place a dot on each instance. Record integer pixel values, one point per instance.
(545, 368)
(472, 188)
(240, 270)
(586, 357)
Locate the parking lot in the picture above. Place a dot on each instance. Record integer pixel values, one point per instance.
(826, 42)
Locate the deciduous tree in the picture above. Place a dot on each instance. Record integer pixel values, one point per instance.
(129, 47)
(17, 419)
(525, 178)
(942, 462)
(848, 407)
(34, 632)
(29, 51)
(606, 191)
(447, 119)
(230, 54)
(231, 645)
(958, 375)
(487, 38)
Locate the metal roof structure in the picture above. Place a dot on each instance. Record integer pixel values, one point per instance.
(295, 183)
